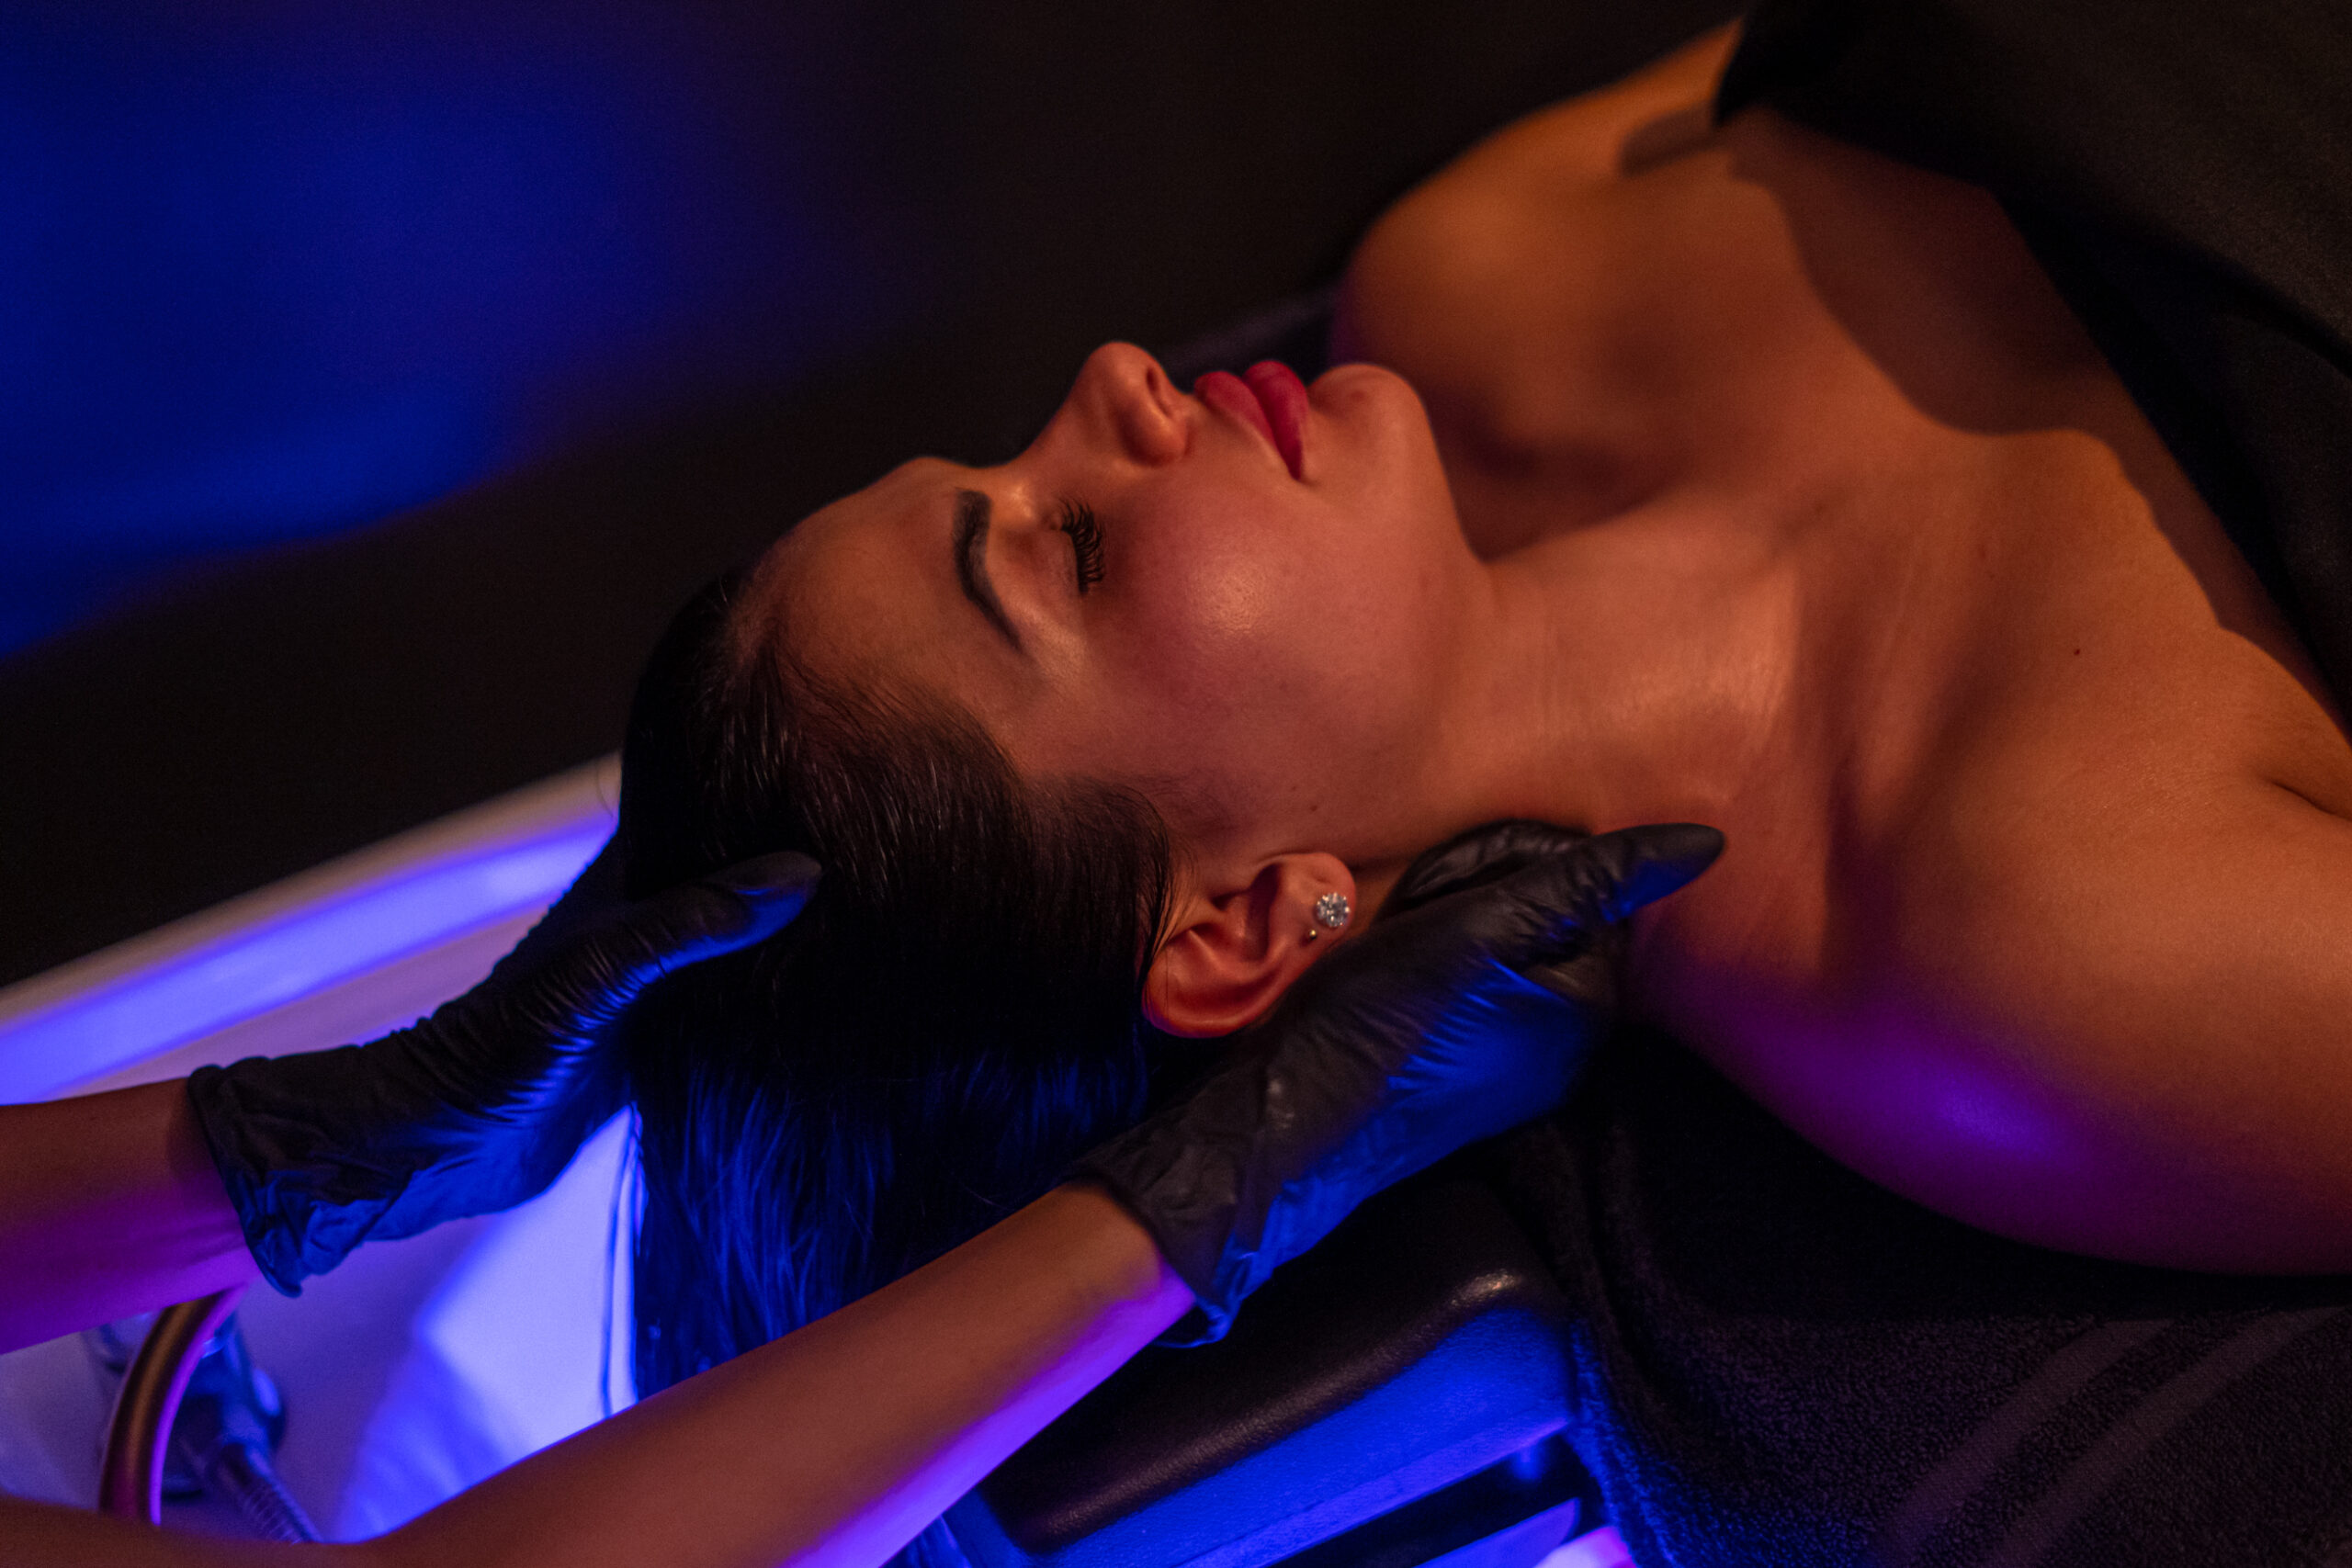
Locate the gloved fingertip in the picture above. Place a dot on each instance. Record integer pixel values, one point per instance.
(775, 887)
(1665, 858)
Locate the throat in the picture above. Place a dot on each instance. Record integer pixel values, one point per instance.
(1642, 670)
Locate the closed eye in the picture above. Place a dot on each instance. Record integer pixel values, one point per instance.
(1085, 531)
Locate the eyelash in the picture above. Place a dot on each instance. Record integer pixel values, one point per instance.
(1085, 533)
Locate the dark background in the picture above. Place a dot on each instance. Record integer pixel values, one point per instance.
(374, 380)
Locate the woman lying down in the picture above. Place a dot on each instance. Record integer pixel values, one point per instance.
(1976, 1187)
(1724, 473)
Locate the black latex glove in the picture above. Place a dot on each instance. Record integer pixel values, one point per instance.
(1438, 1026)
(481, 1105)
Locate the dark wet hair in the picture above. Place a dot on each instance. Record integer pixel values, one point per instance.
(952, 1019)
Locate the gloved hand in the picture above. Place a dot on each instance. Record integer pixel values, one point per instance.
(1438, 1026)
(481, 1105)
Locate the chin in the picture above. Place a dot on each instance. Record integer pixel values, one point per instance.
(1382, 414)
(1389, 431)
(1360, 379)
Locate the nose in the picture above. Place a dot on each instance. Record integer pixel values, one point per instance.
(1150, 419)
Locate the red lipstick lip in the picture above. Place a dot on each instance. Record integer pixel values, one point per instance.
(1274, 418)
(1283, 397)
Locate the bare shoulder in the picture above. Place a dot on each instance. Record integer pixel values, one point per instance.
(2128, 904)
(2097, 847)
(2087, 997)
(1447, 240)
(1597, 135)
(2129, 753)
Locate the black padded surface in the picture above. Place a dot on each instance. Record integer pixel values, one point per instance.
(1420, 1343)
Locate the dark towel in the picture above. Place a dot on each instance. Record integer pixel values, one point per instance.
(1781, 1363)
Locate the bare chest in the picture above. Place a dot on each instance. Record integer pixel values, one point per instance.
(2016, 620)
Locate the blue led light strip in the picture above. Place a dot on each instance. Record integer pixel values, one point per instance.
(463, 876)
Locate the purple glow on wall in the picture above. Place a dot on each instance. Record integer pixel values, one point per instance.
(268, 269)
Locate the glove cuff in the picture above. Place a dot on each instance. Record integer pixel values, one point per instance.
(301, 1212)
(1199, 1212)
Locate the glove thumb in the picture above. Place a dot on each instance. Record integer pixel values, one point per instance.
(728, 909)
(1650, 863)
(1564, 899)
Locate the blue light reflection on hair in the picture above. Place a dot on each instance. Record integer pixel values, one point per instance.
(269, 269)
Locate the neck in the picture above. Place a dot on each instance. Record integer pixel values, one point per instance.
(1629, 672)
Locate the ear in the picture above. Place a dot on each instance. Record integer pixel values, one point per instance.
(1235, 945)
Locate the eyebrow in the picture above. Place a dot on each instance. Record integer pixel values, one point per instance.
(972, 561)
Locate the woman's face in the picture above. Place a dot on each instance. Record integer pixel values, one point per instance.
(1241, 602)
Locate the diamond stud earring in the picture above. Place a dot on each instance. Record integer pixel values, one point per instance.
(1331, 913)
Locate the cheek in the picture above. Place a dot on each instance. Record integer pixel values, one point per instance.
(1244, 676)
(1203, 619)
